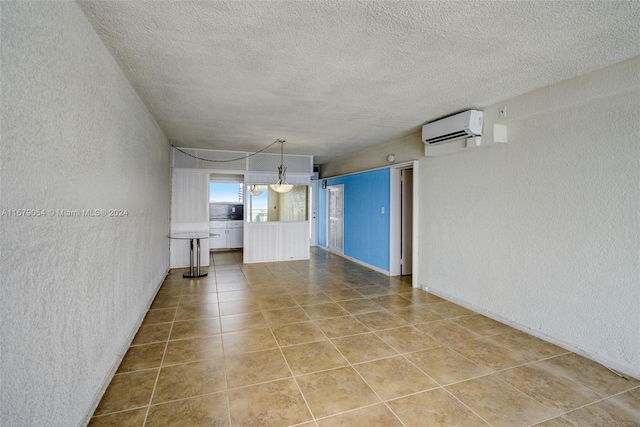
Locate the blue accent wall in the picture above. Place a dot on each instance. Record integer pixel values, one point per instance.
(366, 228)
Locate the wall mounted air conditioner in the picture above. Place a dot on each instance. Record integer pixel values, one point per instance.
(467, 124)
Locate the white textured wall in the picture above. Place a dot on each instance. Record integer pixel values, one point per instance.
(545, 231)
(74, 136)
(404, 149)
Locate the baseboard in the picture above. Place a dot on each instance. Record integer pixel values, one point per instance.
(123, 350)
(357, 261)
(591, 355)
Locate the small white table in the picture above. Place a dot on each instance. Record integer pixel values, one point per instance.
(191, 236)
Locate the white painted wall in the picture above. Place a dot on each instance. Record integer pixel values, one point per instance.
(189, 213)
(407, 148)
(74, 136)
(544, 231)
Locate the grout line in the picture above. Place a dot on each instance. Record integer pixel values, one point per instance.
(280, 277)
(164, 352)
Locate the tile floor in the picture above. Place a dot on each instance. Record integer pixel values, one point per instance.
(327, 342)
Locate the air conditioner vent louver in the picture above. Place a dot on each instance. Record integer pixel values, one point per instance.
(463, 125)
(447, 137)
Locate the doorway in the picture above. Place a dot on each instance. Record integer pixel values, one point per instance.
(403, 221)
(406, 222)
(335, 214)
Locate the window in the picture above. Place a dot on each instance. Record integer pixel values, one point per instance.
(225, 192)
(265, 205)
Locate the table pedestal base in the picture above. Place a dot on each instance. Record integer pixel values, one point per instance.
(194, 274)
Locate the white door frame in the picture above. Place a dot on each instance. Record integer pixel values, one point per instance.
(329, 188)
(395, 230)
(313, 212)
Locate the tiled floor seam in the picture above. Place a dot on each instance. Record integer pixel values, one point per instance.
(293, 377)
(351, 365)
(155, 384)
(465, 405)
(224, 354)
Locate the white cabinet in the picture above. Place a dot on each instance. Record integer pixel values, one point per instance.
(225, 234)
(217, 238)
(276, 241)
(234, 237)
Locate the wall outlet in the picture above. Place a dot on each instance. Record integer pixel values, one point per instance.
(503, 112)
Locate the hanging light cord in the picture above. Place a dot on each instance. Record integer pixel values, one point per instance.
(230, 160)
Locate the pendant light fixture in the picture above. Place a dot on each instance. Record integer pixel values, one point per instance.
(254, 190)
(281, 186)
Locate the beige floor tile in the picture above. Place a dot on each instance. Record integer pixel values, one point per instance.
(312, 298)
(527, 345)
(128, 391)
(231, 281)
(272, 404)
(445, 365)
(371, 416)
(374, 291)
(415, 314)
(202, 299)
(341, 326)
(193, 349)
(344, 295)
(235, 296)
(166, 302)
(606, 413)
(276, 302)
(261, 291)
(392, 301)
(378, 320)
(313, 357)
(421, 297)
(447, 332)
(335, 391)
(500, 404)
(483, 325)
(551, 390)
(489, 355)
(243, 322)
(199, 288)
(207, 358)
(631, 399)
(195, 328)
(589, 373)
(434, 408)
(332, 286)
(394, 377)
(449, 310)
(238, 307)
(148, 334)
(257, 367)
(134, 418)
(556, 422)
(324, 311)
(247, 341)
(169, 291)
(197, 311)
(297, 333)
(363, 348)
(190, 380)
(159, 315)
(407, 339)
(141, 357)
(285, 316)
(229, 284)
(359, 306)
(202, 411)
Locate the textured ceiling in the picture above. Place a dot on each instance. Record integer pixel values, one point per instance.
(335, 77)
